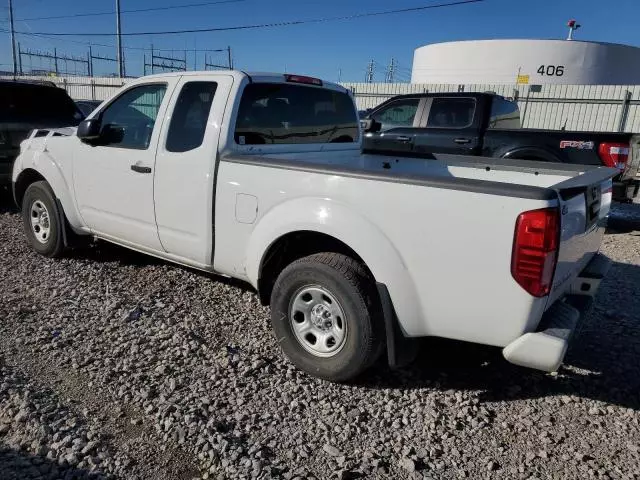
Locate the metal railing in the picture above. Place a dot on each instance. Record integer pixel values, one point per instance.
(610, 108)
(607, 108)
(80, 88)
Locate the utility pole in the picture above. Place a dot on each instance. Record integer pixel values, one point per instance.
(339, 75)
(230, 58)
(369, 76)
(119, 41)
(13, 39)
(90, 62)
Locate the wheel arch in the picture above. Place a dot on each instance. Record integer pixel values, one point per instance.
(292, 246)
(59, 186)
(26, 178)
(323, 225)
(532, 153)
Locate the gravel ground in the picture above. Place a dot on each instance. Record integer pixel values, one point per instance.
(117, 365)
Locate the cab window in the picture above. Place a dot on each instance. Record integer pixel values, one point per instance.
(400, 113)
(129, 120)
(274, 113)
(190, 115)
(449, 112)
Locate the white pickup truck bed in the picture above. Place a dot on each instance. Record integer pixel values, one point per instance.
(446, 224)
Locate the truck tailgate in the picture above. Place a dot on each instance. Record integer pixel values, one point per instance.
(584, 205)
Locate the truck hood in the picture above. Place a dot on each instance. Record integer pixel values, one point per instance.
(51, 143)
(12, 134)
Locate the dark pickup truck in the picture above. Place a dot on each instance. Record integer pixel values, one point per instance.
(25, 106)
(488, 125)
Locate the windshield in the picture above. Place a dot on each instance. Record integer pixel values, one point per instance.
(37, 104)
(273, 113)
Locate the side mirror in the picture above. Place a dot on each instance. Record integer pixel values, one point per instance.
(369, 125)
(89, 129)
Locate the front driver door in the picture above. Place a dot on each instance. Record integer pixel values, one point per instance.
(398, 120)
(113, 177)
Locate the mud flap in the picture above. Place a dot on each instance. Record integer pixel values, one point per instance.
(401, 350)
(62, 221)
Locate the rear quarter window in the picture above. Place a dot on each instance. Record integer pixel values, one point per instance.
(504, 114)
(273, 113)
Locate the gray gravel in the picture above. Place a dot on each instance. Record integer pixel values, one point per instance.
(115, 364)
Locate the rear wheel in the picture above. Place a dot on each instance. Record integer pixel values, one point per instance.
(325, 314)
(41, 219)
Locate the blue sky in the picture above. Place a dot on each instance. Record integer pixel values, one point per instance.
(315, 49)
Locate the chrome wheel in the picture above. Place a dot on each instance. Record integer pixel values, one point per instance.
(40, 222)
(318, 321)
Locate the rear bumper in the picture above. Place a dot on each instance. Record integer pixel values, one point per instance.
(545, 349)
(625, 190)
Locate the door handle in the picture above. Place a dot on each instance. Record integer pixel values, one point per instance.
(403, 139)
(139, 169)
(462, 140)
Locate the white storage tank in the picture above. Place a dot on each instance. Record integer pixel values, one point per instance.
(537, 62)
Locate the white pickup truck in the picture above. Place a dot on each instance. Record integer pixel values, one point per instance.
(260, 177)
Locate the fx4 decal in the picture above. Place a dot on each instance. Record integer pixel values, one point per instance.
(576, 144)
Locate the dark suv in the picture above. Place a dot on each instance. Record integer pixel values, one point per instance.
(25, 106)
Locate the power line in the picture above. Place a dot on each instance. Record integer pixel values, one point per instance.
(107, 45)
(138, 10)
(266, 25)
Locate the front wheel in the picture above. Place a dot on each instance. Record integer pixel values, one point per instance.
(41, 219)
(326, 316)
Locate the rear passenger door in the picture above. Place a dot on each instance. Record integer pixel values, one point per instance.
(449, 125)
(185, 167)
(398, 120)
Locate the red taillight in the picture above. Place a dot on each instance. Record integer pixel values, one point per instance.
(614, 155)
(303, 79)
(535, 250)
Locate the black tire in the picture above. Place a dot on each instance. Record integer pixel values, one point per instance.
(52, 245)
(350, 284)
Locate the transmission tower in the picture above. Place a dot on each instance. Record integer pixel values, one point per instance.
(369, 76)
(391, 71)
